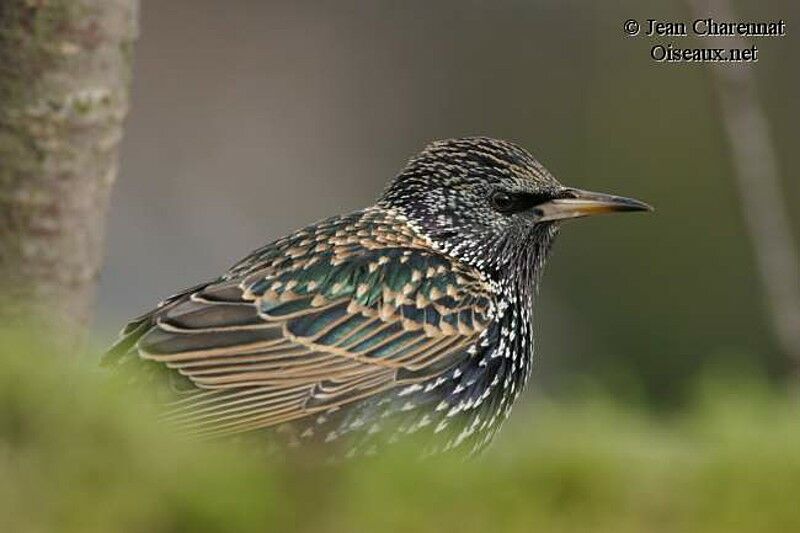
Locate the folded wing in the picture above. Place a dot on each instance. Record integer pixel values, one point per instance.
(309, 325)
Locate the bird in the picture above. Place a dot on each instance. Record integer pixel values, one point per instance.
(410, 318)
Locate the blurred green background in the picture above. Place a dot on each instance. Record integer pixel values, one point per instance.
(81, 455)
(251, 119)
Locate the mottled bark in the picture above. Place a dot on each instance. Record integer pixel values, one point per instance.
(65, 69)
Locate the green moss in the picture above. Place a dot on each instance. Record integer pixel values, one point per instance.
(77, 453)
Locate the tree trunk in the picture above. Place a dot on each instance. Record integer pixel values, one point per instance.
(65, 69)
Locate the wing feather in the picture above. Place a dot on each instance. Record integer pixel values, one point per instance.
(309, 324)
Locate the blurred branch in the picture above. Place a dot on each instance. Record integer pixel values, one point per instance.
(64, 76)
(759, 187)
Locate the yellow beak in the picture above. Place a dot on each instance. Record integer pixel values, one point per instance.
(577, 203)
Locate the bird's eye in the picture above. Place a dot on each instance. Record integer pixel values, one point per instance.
(503, 202)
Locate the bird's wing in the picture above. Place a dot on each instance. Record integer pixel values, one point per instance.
(300, 329)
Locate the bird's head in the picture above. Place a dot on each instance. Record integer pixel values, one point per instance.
(489, 203)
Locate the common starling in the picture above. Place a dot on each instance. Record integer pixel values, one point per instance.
(410, 317)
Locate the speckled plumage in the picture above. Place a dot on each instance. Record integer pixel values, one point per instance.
(411, 317)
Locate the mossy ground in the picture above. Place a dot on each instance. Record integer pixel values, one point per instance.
(78, 454)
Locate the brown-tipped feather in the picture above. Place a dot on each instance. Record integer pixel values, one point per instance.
(242, 340)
